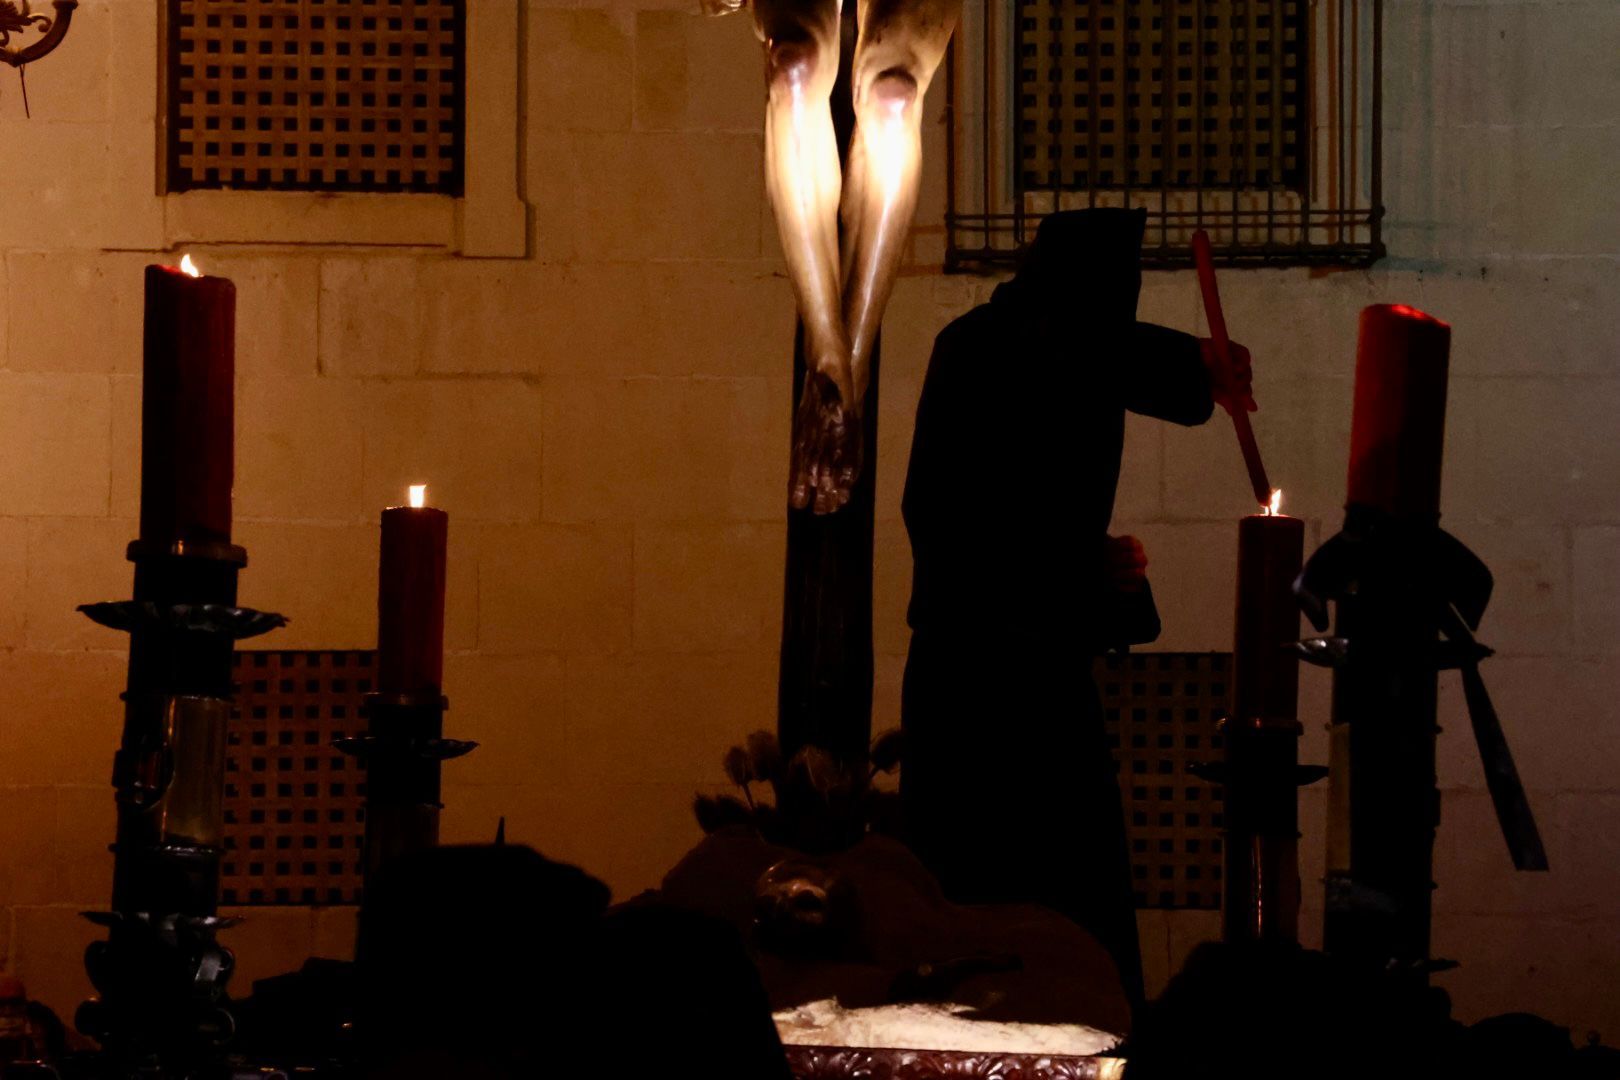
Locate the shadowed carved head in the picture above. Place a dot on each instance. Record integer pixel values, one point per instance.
(802, 907)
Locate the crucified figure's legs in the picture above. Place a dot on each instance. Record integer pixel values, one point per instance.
(804, 183)
(841, 292)
(801, 165)
(900, 47)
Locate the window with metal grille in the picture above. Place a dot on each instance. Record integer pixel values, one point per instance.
(1256, 120)
(315, 95)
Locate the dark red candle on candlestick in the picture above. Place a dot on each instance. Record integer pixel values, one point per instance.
(1265, 667)
(1262, 735)
(410, 598)
(1398, 427)
(187, 408)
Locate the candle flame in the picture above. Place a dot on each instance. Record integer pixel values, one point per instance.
(418, 495)
(1274, 507)
(188, 267)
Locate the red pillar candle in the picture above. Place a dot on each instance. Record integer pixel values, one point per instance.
(187, 408)
(1265, 668)
(410, 598)
(1398, 426)
(1262, 889)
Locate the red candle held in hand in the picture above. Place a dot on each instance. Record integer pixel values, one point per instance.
(187, 407)
(410, 598)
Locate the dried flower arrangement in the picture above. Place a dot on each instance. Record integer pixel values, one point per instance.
(817, 802)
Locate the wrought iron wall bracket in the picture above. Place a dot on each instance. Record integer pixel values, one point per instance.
(13, 21)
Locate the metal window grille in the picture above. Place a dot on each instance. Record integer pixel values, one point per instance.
(315, 95)
(1163, 712)
(1256, 120)
(294, 805)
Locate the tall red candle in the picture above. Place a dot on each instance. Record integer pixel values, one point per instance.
(410, 600)
(1265, 667)
(187, 408)
(1398, 426)
(1262, 889)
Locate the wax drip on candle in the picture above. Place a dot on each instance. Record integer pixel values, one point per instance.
(188, 267)
(1274, 507)
(418, 496)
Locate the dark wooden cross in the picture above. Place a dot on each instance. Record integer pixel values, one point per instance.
(824, 683)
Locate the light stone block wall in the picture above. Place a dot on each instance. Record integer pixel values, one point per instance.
(606, 422)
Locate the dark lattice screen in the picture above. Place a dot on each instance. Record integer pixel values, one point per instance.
(1177, 94)
(1163, 712)
(294, 806)
(328, 95)
(294, 818)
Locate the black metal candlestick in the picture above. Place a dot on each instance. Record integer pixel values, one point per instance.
(1261, 773)
(1405, 598)
(160, 974)
(404, 743)
(402, 752)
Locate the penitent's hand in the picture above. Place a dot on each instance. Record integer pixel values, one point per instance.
(1126, 562)
(827, 448)
(1232, 387)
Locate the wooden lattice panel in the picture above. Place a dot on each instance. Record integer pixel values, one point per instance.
(294, 816)
(1166, 94)
(1163, 713)
(328, 95)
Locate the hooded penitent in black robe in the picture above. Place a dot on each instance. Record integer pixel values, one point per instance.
(1008, 784)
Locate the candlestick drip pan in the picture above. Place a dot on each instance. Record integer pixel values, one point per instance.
(232, 622)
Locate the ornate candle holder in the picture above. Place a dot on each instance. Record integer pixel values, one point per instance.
(160, 974)
(1261, 771)
(402, 752)
(1404, 599)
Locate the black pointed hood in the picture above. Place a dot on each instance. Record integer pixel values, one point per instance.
(1086, 263)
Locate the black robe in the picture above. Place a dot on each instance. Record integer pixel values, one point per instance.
(1008, 785)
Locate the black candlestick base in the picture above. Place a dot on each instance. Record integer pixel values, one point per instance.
(161, 975)
(402, 751)
(1406, 598)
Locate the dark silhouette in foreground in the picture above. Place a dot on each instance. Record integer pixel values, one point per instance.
(1008, 788)
(1278, 1012)
(493, 961)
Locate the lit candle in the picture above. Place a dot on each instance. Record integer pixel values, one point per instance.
(1265, 671)
(187, 406)
(1262, 732)
(410, 597)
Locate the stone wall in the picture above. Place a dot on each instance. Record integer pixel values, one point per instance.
(606, 422)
